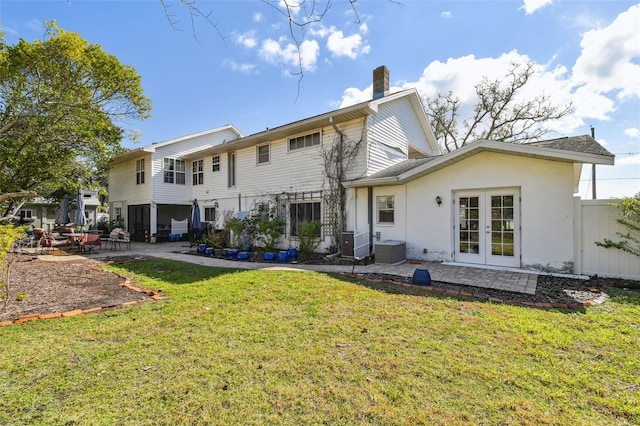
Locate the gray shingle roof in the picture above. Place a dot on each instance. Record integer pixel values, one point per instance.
(583, 143)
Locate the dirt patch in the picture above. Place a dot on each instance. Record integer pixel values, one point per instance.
(52, 284)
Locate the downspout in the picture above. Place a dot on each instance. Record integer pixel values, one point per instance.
(370, 216)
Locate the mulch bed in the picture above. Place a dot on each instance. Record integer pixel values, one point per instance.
(54, 286)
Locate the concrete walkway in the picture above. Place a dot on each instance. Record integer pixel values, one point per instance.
(499, 279)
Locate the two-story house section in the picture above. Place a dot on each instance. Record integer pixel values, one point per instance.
(296, 168)
(149, 186)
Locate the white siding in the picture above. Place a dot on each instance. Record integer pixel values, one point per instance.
(122, 182)
(390, 132)
(172, 193)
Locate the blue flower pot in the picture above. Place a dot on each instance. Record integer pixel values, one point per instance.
(269, 257)
(421, 277)
(243, 255)
(283, 257)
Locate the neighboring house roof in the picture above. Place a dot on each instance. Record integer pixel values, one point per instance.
(135, 153)
(334, 117)
(577, 149)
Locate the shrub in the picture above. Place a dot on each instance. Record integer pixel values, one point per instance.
(269, 232)
(309, 233)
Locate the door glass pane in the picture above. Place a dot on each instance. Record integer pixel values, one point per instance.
(469, 220)
(502, 225)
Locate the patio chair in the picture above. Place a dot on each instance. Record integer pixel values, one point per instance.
(112, 238)
(50, 240)
(124, 238)
(89, 241)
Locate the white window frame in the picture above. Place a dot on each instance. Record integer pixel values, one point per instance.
(140, 171)
(304, 141)
(259, 160)
(25, 214)
(385, 204)
(215, 163)
(197, 172)
(174, 171)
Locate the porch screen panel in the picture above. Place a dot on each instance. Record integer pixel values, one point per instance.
(469, 225)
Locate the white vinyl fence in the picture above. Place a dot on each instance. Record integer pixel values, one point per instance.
(596, 220)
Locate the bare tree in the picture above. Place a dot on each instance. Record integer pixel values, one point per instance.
(499, 114)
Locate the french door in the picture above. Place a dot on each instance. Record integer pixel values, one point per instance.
(487, 227)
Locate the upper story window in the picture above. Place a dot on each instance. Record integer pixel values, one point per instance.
(174, 171)
(216, 163)
(385, 209)
(304, 141)
(140, 171)
(263, 154)
(197, 170)
(231, 169)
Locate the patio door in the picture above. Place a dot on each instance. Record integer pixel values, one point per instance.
(487, 227)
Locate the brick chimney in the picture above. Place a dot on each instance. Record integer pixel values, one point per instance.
(380, 82)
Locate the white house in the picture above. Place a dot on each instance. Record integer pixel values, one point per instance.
(282, 167)
(487, 203)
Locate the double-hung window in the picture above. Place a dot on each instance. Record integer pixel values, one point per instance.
(304, 141)
(301, 213)
(263, 154)
(197, 170)
(215, 161)
(385, 209)
(140, 171)
(210, 214)
(174, 171)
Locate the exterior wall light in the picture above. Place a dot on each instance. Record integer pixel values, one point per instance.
(439, 201)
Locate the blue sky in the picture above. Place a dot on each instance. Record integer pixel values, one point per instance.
(239, 72)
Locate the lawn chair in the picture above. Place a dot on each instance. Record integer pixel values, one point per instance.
(124, 238)
(51, 241)
(89, 241)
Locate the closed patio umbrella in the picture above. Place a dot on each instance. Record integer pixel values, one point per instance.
(62, 217)
(195, 220)
(80, 219)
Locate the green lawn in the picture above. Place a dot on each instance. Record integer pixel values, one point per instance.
(267, 347)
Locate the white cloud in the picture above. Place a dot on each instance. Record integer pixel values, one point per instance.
(630, 160)
(531, 6)
(35, 25)
(350, 46)
(364, 28)
(286, 53)
(247, 39)
(446, 14)
(258, 17)
(606, 63)
(632, 133)
(243, 68)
